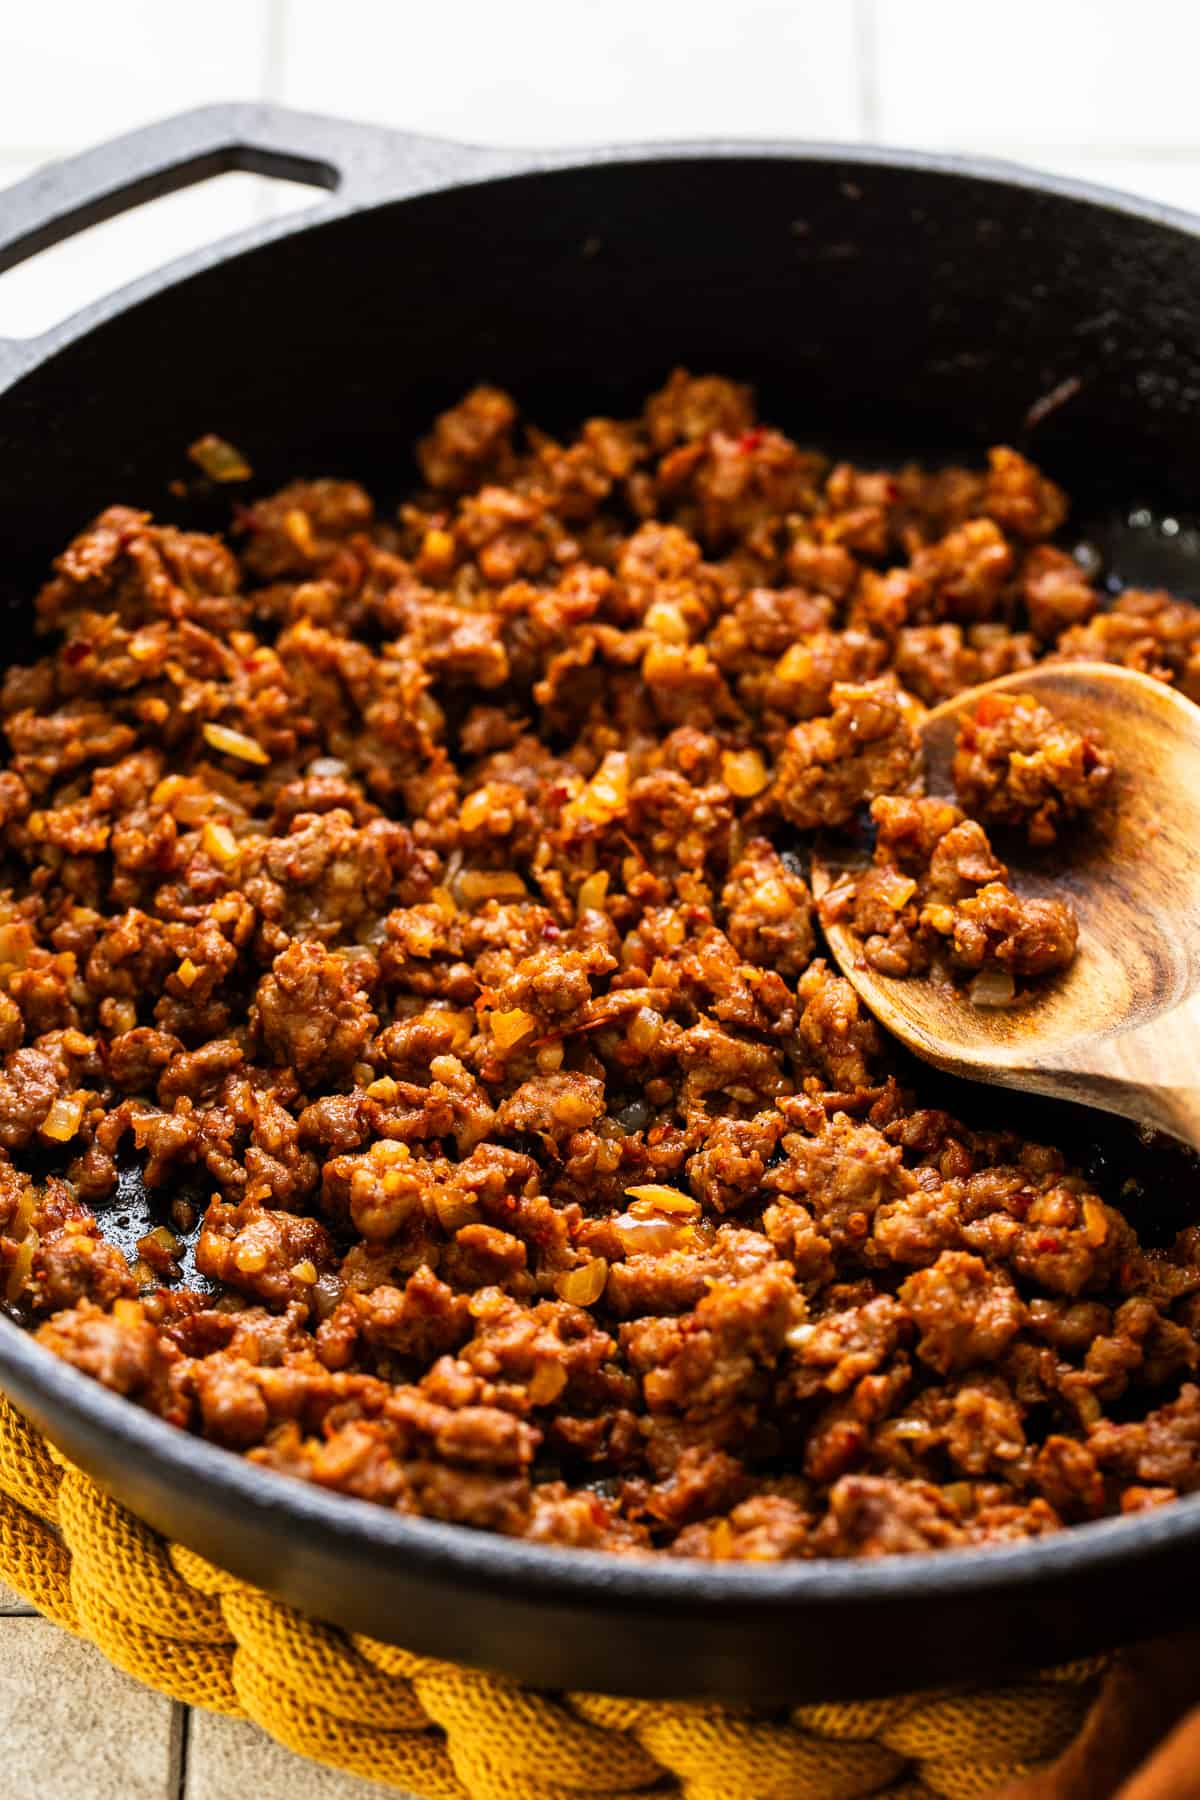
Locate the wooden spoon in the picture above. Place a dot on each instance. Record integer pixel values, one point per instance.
(1119, 1028)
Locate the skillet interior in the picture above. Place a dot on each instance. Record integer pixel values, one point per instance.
(875, 303)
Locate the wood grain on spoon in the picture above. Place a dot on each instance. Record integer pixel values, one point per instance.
(1119, 1028)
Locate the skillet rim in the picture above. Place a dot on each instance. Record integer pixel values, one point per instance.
(464, 166)
(545, 1571)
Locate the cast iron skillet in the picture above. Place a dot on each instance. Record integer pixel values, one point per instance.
(876, 297)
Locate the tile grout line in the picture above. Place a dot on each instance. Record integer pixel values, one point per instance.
(274, 40)
(275, 28)
(866, 58)
(177, 1768)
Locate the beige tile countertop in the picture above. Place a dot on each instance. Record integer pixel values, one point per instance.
(75, 1728)
(1105, 93)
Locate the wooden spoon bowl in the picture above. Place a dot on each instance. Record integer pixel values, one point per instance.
(1119, 1028)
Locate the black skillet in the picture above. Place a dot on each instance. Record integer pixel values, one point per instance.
(878, 298)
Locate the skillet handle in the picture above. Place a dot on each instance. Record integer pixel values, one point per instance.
(355, 164)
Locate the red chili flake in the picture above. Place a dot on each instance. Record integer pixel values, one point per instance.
(551, 931)
(1048, 1243)
(750, 440)
(77, 650)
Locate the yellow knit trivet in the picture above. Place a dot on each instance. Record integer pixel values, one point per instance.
(175, 1622)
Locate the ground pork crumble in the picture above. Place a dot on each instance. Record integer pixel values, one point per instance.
(418, 902)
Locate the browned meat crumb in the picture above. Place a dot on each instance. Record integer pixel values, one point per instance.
(1018, 766)
(1151, 632)
(866, 745)
(419, 902)
(936, 894)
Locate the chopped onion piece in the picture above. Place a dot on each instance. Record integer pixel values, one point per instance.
(644, 1029)
(796, 663)
(21, 1265)
(189, 809)
(298, 526)
(893, 888)
(908, 1430)
(235, 743)
(220, 460)
(16, 941)
(653, 1234)
(1095, 1222)
(605, 794)
(63, 1119)
(584, 1286)
(592, 890)
(546, 1383)
(454, 1209)
(476, 809)
(572, 1110)
(744, 773)
(508, 1028)
(665, 620)
(482, 884)
(992, 987)
(161, 1238)
(436, 556)
(220, 844)
(662, 1199)
(721, 1541)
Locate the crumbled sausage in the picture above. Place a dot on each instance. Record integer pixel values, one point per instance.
(868, 745)
(419, 900)
(937, 892)
(1015, 765)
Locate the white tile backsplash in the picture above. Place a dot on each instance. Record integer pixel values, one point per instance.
(71, 71)
(548, 72)
(1072, 72)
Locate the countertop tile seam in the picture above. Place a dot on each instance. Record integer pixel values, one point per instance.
(181, 1733)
